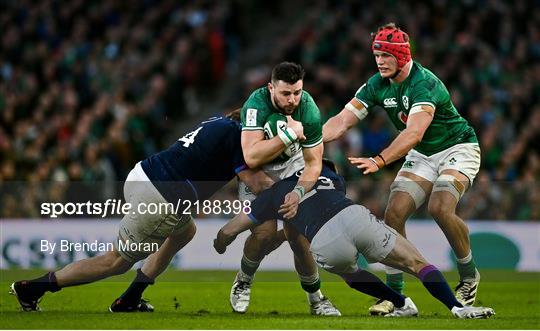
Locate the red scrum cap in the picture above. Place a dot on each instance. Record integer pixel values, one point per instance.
(390, 39)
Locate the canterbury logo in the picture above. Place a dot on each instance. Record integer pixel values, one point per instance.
(390, 102)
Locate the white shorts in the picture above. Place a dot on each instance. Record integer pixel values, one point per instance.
(351, 232)
(143, 228)
(276, 171)
(464, 158)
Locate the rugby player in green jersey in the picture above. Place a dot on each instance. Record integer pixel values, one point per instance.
(441, 150)
(283, 95)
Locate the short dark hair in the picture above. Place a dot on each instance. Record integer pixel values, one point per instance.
(234, 115)
(289, 72)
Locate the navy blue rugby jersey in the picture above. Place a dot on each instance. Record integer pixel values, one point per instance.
(200, 162)
(324, 201)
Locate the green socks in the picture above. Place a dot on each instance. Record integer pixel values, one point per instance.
(466, 267)
(395, 282)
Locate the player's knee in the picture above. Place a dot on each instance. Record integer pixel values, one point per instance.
(265, 239)
(340, 266)
(187, 233)
(450, 184)
(121, 267)
(414, 192)
(332, 265)
(116, 264)
(191, 231)
(440, 210)
(299, 244)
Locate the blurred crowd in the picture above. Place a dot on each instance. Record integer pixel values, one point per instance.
(87, 89)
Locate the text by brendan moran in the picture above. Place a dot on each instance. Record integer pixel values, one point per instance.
(96, 246)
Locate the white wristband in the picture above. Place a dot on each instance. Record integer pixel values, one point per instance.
(287, 136)
(300, 191)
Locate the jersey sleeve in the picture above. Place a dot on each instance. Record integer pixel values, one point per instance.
(254, 113)
(312, 124)
(265, 207)
(238, 161)
(424, 93)
(366, 96)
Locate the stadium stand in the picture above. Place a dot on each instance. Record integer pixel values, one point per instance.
(86, 90)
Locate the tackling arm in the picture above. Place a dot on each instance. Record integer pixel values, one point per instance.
(257, 180)
(229, 231)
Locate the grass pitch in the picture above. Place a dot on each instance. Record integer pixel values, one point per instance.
(199, 300)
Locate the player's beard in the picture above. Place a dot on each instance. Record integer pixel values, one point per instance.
(283, 110)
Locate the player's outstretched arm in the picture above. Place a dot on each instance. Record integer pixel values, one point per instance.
(256, 179)
(336, 126)
(227, 234)
(417, 124)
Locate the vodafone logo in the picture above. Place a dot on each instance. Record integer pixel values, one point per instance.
(390, 102)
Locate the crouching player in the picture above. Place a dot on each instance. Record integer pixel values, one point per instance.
(339, 231)
(193, 168)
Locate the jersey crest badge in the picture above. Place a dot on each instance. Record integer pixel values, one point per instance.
(405, 100)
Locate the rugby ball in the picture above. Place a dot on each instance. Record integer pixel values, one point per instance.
(276, 122)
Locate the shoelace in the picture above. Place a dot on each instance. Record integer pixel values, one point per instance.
(242, 286)
(325, 304)
(463, 286)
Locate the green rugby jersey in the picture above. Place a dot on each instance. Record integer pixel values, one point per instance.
(258, 107)
(421, 87)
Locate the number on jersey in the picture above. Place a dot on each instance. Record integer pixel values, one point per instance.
(326, 184)
(189, 138)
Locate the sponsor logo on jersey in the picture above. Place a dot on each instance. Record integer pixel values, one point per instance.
(452, 161)
(405, 100)
(251, 117)
(402, 117)
(390, 102)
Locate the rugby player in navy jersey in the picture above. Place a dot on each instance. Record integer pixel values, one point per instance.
(338, 231)
(191, 169)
